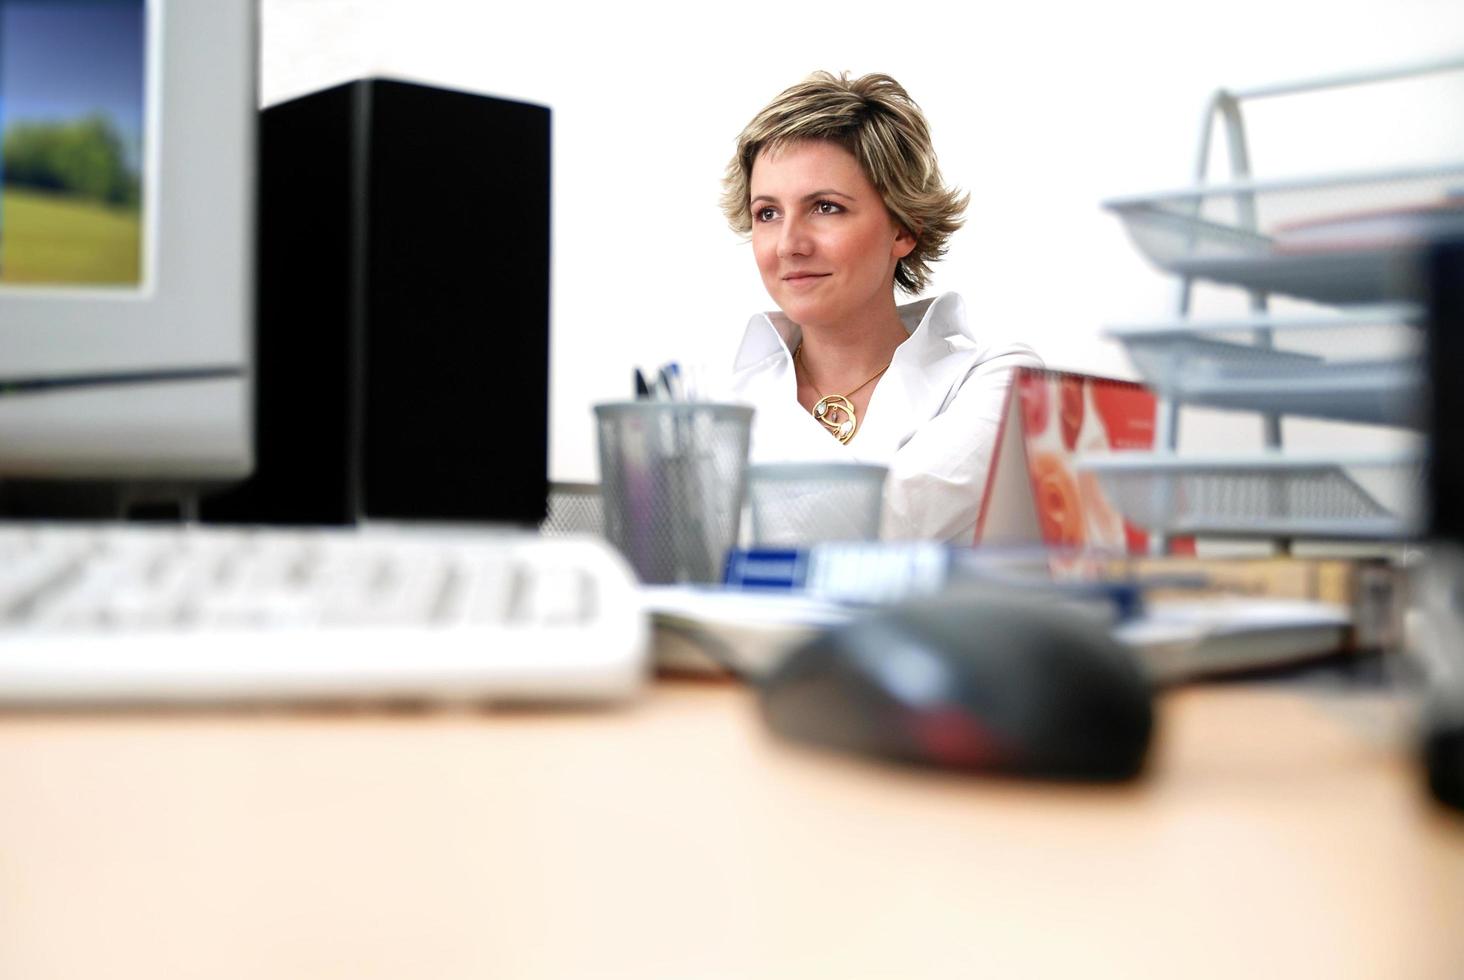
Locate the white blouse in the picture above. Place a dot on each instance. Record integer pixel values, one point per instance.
(933, 418)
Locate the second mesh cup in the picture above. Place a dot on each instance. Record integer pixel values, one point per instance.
(673, 476)
(805, 503)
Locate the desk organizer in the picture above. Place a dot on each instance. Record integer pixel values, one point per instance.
(1363, 365)
(1330, 239)
(1281, 495)
(1346, 241)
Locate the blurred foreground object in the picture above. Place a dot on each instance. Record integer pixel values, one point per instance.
(1348, 247)
(1438, 645)
(119, 614)
(1187, 618)
(974, 682)
(1439, 639)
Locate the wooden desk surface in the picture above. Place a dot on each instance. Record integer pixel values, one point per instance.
(676, 839)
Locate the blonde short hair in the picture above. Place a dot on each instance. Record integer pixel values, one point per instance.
(875, 119)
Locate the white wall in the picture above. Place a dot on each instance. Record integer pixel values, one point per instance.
(1040, 110)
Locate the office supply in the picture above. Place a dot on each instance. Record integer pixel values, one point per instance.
(1186, 618)
(674, 381)
(1265, 494)
(1203, 232)
(403, 348)
(1252, 233)
(144, 614)
(968, 681)
(127, 252)
(673, 477)
(1035, 493)
(1304, 238)
(864, 573)
(574, 508)
(1373, 591)
(1181, 640)
(1361, 364)
(776, 597)
(670, 375)
(1415, 225)
(795, 504)
(717, 631)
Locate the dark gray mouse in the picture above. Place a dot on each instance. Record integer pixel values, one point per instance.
(979, 682)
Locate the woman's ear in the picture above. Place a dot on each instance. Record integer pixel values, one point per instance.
(904, 241)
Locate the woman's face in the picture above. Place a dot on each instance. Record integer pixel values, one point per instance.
(825, 244)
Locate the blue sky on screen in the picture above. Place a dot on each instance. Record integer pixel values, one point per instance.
(64, 59)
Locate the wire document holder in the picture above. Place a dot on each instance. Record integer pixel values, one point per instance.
(1357, 358)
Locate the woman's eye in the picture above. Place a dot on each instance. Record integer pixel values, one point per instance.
(765, 214)
(826, 207)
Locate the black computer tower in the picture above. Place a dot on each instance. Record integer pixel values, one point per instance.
(403, 336)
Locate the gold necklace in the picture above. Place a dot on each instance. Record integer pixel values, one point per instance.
(836, 412)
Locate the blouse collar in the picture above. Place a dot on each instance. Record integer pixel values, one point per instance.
(932, 323)
(925, 373)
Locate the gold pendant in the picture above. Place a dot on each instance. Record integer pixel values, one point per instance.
(836, 413)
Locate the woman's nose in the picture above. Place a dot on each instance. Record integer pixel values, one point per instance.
(794, 239)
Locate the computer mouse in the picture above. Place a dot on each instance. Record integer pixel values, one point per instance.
(990, 683)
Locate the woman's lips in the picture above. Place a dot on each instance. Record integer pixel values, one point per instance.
(797, 278)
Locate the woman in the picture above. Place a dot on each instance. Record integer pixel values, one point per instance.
(837, 183)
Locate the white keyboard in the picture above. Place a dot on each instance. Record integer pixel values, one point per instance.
(130, 614)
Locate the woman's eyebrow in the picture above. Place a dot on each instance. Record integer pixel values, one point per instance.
(810, 196)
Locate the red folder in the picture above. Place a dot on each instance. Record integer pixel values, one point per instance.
(1034, 492)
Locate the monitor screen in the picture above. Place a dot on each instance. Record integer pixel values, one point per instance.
(127, 224)
(72, 111)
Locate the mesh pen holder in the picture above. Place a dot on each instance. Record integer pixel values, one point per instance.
(672, 479)
(807, 503)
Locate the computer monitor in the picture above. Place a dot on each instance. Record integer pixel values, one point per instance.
(127, 224)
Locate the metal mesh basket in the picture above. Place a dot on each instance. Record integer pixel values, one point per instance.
(1343, 239)
(673, 477)
(1363, 365)
(1264, 496)
(574, 508)
(807, 503)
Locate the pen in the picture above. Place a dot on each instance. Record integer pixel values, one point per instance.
(642, 390)
(678, 384)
